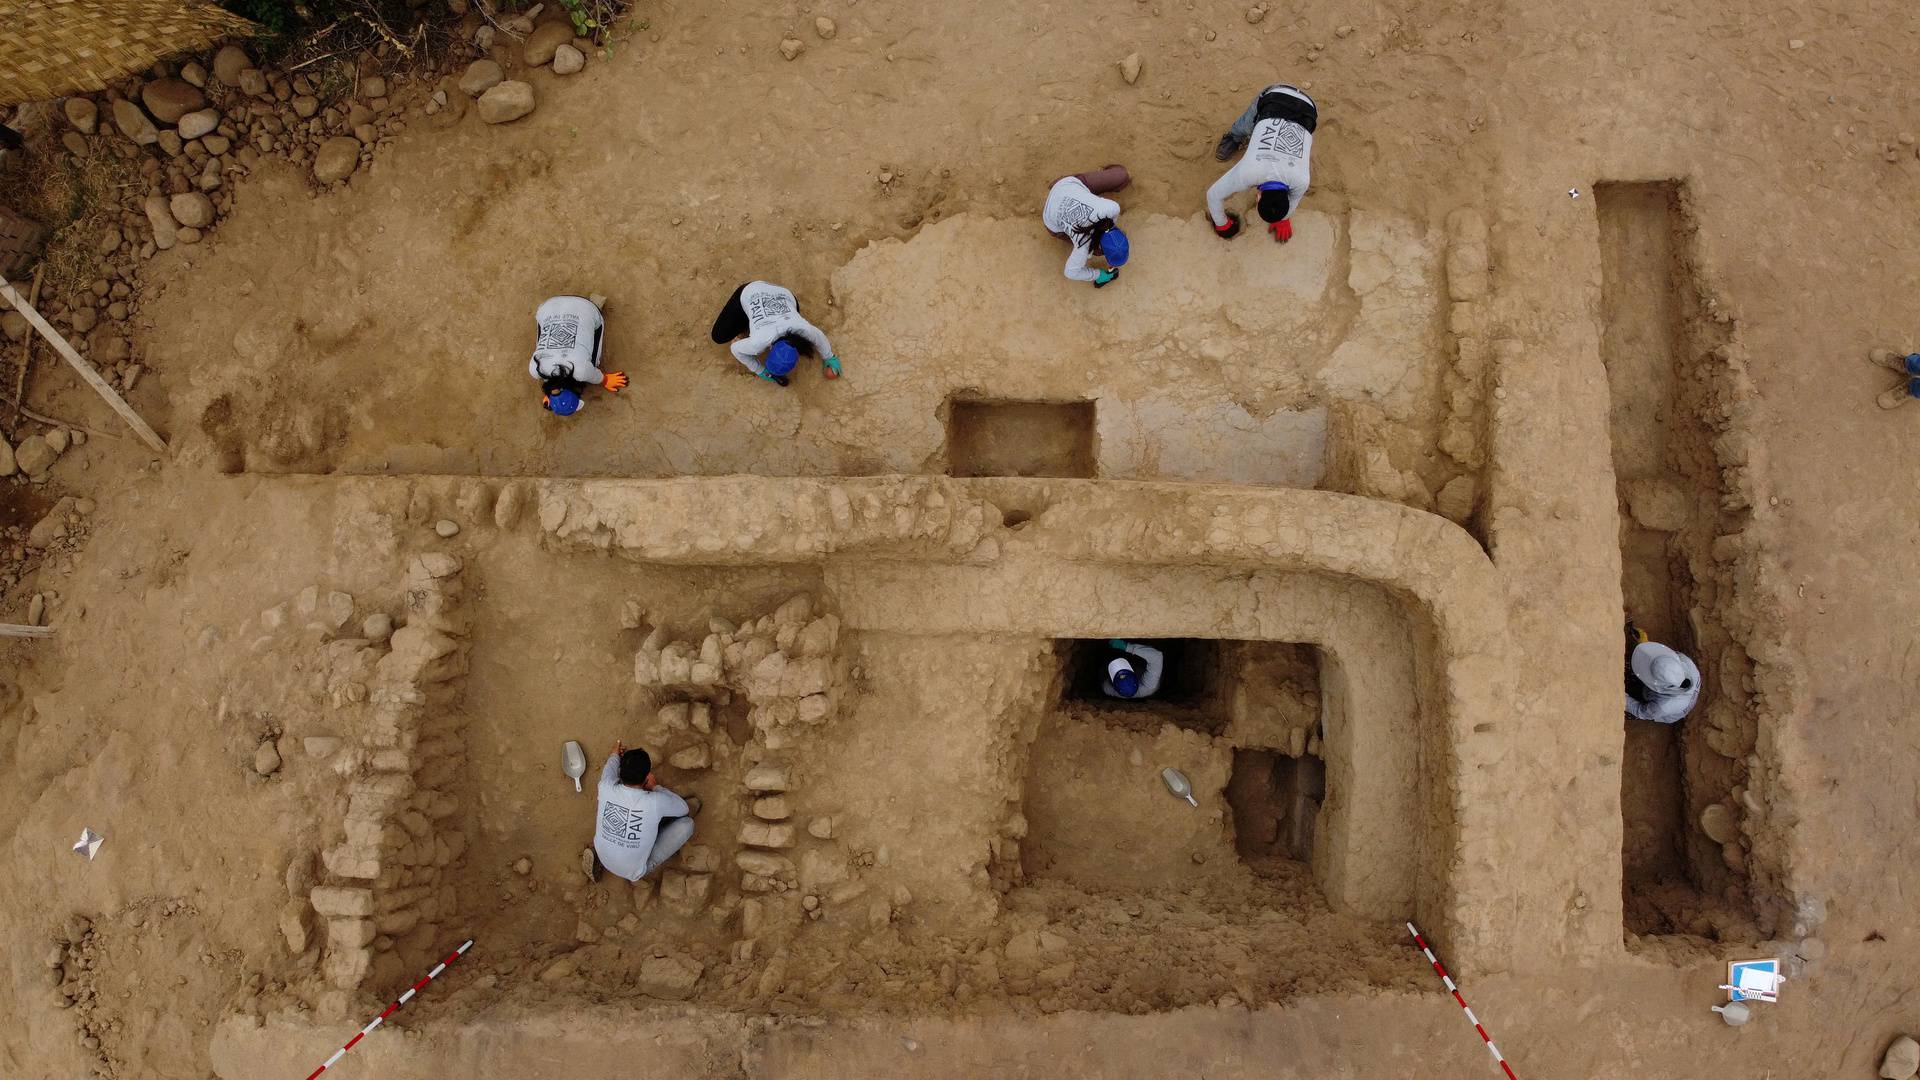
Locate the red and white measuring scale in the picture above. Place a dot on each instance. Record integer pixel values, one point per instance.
(1455, 991)
(391, 1009)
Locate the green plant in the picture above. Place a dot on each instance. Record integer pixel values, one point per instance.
(594, 18)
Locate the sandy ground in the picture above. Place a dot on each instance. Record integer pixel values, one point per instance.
(383, 329)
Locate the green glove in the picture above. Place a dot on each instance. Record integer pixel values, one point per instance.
(1104, 277)
(1116, 643)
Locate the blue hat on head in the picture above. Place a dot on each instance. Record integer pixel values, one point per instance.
(1113, 245)
(782, 358)
(1121, 674)
(563, 402)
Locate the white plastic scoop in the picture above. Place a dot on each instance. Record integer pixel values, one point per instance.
(1178, 783)
(574, 760)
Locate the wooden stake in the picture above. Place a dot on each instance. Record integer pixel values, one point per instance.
(8, 629)
(75, 361)
(26, 358)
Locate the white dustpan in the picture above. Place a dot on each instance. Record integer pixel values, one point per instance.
(574, 761)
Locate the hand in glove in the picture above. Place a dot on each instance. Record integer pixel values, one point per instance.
(1282, 230)
(1117, 643)
(772, 378)
(1230, 230)
(615, 381)
(1104, 278)
(831, 367)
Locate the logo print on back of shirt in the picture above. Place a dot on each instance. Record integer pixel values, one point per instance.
(769, 306)
(622, 824)
(559, 332)
(1287, 139)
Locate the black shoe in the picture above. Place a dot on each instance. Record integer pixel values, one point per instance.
(1228, 144)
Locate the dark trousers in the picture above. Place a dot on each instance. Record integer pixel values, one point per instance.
(733, 318)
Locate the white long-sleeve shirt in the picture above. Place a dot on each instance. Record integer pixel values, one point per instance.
(629, 820)
(1279, 150)
(1070, 209)
(1152, 660)
(1668, 706)
(773, 313)
(569, 342)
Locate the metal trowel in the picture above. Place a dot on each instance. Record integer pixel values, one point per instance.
(574, 760)
(1178, 783)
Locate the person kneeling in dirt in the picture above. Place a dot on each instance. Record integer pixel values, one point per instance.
(1277, 130)
(769, 316)
(1662, 685)
(640, 824)
(1908, 387)
(1125, 679)
(1077, 212)
(566, 356)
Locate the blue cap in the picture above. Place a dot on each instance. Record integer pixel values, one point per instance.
(782, 358)
(1274, 185)
(563, 402)
(1113, 245)
(1126, 684)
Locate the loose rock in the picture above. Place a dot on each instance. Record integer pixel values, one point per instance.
(229, 62)
(377, 627)
(1130, 68)
(82, 113)
(507, 102)
(480, 77)
(195, 124)
(568, 60)
(791, 47)
(447, 528)
(266, 759)
(133, 123)
(34, 456)
(336, 159)
(825, 27)
(544, 42)
(192, 210)
(1902, 1059)
(170, 99)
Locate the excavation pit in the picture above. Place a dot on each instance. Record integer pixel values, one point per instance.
(1020, 438)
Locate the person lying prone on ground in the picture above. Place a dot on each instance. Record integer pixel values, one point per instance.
(770, 318)
(639, 824)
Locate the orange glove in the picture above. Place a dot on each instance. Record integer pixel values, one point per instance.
(614, 382)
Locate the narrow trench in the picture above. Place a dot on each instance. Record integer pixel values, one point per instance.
(1673, 881)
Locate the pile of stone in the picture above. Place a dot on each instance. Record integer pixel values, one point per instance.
(35, 455)
(384, 884)
(94, 318)
(783, 663)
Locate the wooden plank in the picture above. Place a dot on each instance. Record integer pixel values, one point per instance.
(20, 630)
(74, 360)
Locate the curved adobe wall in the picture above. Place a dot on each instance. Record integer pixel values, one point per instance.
(1428, 567)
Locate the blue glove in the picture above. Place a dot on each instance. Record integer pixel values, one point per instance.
(1104, 277)
(1116, 643)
